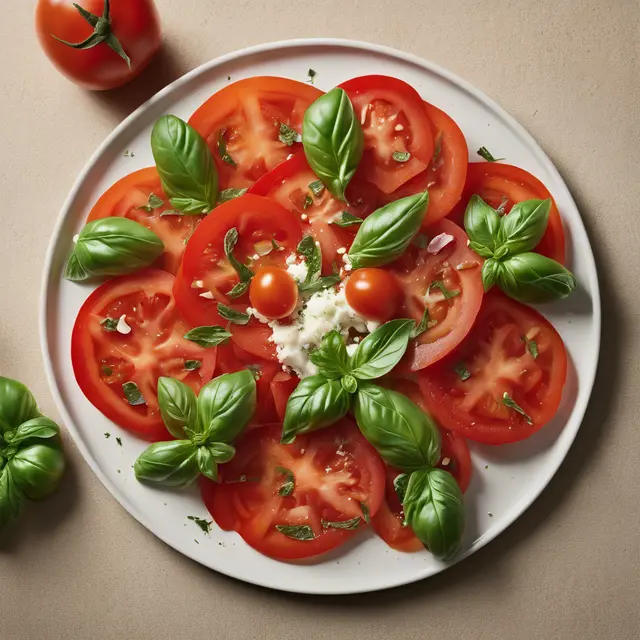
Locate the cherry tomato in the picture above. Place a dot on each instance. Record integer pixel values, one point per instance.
(505, 380)
(336, 474)
(134, 23)
(373, 293)
(104, 359)
(273, 292)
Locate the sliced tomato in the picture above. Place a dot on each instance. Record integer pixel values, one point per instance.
(282, 386)
(512, 358)
(104, 360)
(505, 185)
(453, 301)
(445, 176)
(206, 276)
(129, 198)
(288, 184)
(394, 121)
(337, 477)
(246, 116)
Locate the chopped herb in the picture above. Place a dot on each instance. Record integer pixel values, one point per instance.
(275, 245)
(501, 210)
(532, 347)
(192, 365)
(230, 240)
(228, 77)
(287, 487)
(109, 324)
(347, 219)
(483, 152)
(421, 241)
(170, 212)
(509, 402)
(296, 532)
(288, 135)
(316, 187)
(325, 282)
(132, 394)
(222, 149)
(119, 440)
(236, 317)
(437, 148)
(118, 470)
(153, 202)
(196, 541)
(238, 289)
(107, 371)
(308, 201)
(129, 154)
(208, 336)
(401, 156)
(312, 74)
(107, 434)
(447, 293)
(205, 525)
(400, 484)
(308, 249)
(365, 512)
(423, 325)
(229, 194)
(462, 371)
(349, 525)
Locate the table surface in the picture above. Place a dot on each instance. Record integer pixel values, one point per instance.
(78, 566)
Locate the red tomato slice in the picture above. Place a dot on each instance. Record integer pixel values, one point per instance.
(129, 197)
(394, 121)
(503, 184)
(206, 270)
(247, 116)
(499, 361)
(282, 386)
(445, 176)
(288, 184)
(458, 269)
(104, 360)
(336, 471)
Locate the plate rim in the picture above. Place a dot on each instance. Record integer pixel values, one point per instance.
(578, 411)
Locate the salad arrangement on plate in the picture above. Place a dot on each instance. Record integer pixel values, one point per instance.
(313, 301)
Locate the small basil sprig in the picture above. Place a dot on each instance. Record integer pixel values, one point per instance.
(506, 243)
(333, 140)
(185, 165)
(205, 426)
(111, 247)
(312, 254)
(244, 273)
(31, 458)
(433, 508)
(385, 235)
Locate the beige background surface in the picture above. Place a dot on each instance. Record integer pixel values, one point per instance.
(78, 566)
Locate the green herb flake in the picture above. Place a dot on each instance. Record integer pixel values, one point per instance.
(325, 282)
(461, 371)
(289, 483)
(509, 402)
(311, 75)
(308, 201)
(153, 202)
(347, 219)
(170, 212)
(275, 245)
(208, 336)
(107, 435)
(348, 525)
(129, 154)
(423, 325)
(205, 525)
(532, 347)
(239, 289)
(401, 156)
(233, 316)
(109, 324)
(287, 135)
(230, 240)
(222, 149)
(447, 293)
(192, 365)
(502, 207)
(365, 512)
(437, 149)
(296, 532)
(132, 394)
(106, 370)
(483, 152)
(229, 194)
(119, 440)
(400, 483)
(317, 188)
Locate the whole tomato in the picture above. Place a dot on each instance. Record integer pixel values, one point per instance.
(96, 43)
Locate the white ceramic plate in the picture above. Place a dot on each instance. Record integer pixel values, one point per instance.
(506, 479)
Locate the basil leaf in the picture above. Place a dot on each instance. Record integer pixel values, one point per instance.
(333, 140)
(226, 404)
(532, 347)
(366, 516)
(481, 222)
(296, 532)
(534, 279)
(11, 498)
(206, 464)
(40, 428)
(178, 407)
(401, 156)
(287, 135)
(509, 402)
(404, 436)
(385, 235)
(153, 202)
(522, 229)
(433, 508)
(347, 525)
(230, 240)
(222, 452)
(447, 293)
(17, 404)
(192, 365)
(400, 483)
(230, 194)
(422, 326)
(317, 188)
(491, 270)
(171, 212)
(483, 152)
(308, 201)
(222, 149)
(325, 282)
(111, 247)
(315, 403)
(349, 383)
(289, 484)
(236, 317)
(331, 356)
(170, 464)
(132, 394)
(381, 350)
(208, 336)
(462, 372)
(308, 248)
(185, 165)
(37, 469)
(346, 219)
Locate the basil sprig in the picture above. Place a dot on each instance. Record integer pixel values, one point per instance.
(433, 508)
(506, 243)
(185, 165)
(312, 254)
(205, 426)
(333, 140)
(112, 246)
(385, 235)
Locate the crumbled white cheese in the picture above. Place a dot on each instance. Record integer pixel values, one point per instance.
(304, 216)
(399, 127)
(257, 315)
(255, 256)
(296, 268)
(445, 461)
(197, 284)
(347, 262)
(341, 251)
(122, 326)
(208, 295)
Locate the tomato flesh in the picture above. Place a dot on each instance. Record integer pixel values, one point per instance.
(373, 293)
(273, 292)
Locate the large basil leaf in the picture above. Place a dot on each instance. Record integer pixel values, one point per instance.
(433, 508)
(381, 350)
(481, 223)
(333, 140)
(331, 356)
(221, 452)
(226, 404)
(40, 428)
(17, 404)
(533, 279)
(185, 165)
(170, 464)
(523, 227)
(385, 235)
(401, 432)
(110, 247)
(178, 407)
(37, 469)
(315, 403)
(11, 498)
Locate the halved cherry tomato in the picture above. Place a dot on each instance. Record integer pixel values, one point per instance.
(449, 284)
(104, 359)
(394, 121)
(129, 198)
(273, 292)
(373, 293)
(335, 472)
(445, 176)
(282, 386)
(505, 185)
(501, 366)
(288, 184)
(241, 124)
